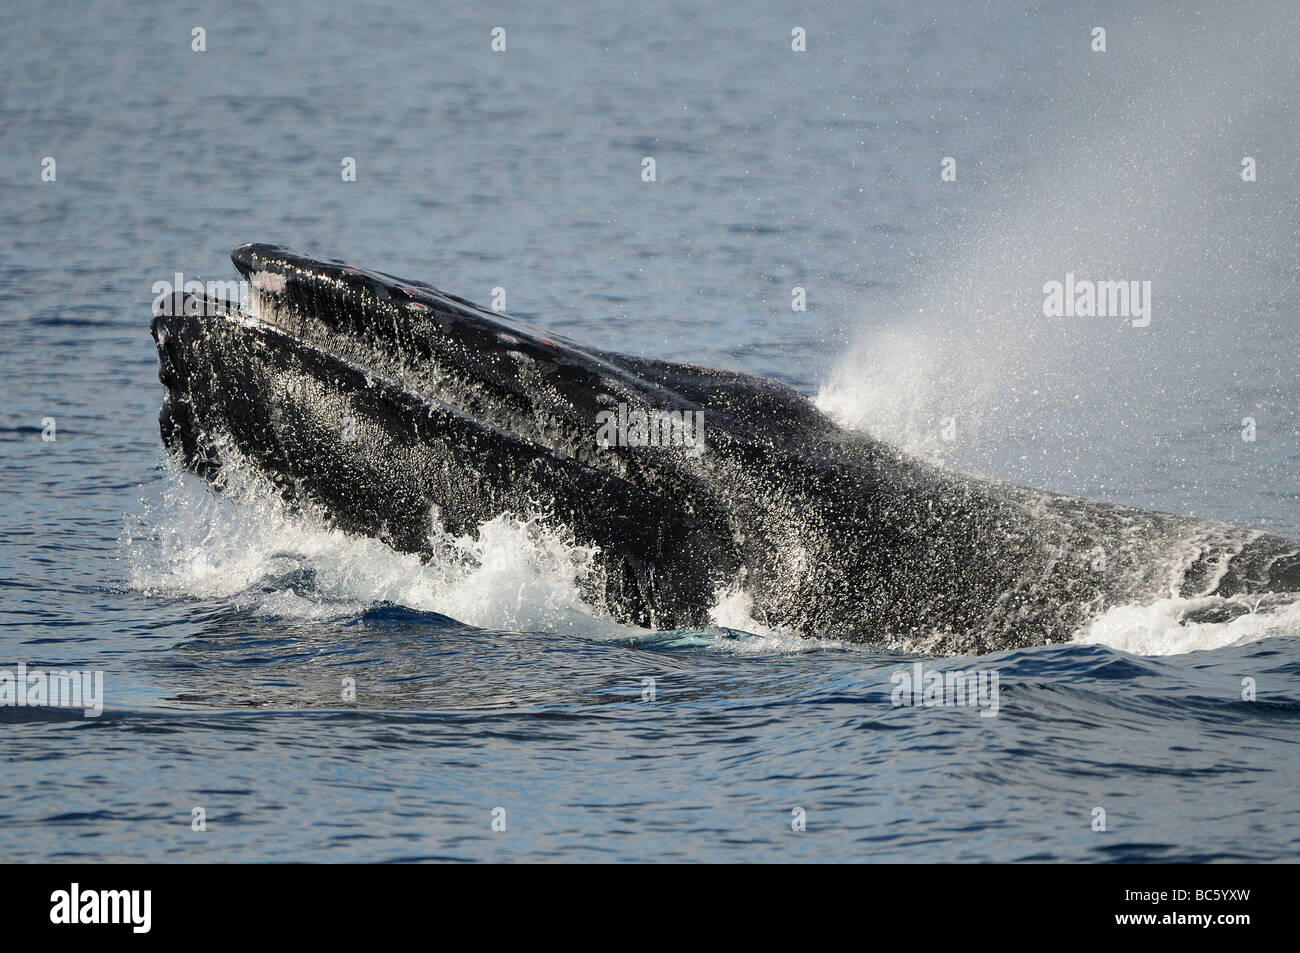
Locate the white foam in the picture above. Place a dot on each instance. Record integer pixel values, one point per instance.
(1162, 628)
(734, 611)
(245, 547)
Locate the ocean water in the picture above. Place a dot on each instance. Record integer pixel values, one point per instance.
(485, 690)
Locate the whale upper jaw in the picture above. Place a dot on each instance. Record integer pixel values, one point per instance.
(501, 371)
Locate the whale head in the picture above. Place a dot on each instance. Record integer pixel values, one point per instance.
(397, 410)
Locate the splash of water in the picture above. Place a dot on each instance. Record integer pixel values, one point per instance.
(1169, 626)
(244, 546)
(967, 368)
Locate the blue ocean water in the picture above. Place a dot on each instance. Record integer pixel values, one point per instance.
(484, 690)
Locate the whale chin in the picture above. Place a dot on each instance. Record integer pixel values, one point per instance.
(399, 412)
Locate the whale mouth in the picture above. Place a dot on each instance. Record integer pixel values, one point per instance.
(261, 302)
(394, 408)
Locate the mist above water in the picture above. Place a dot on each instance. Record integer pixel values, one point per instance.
(1132, 173)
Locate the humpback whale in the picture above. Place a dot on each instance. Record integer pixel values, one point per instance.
(398, 410)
